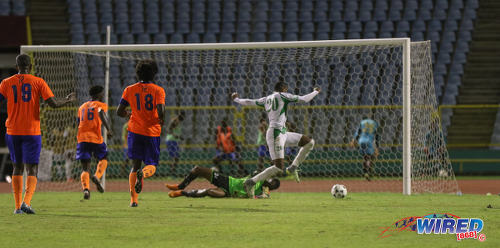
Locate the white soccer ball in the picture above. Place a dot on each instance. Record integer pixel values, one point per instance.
(443, 173)
(339, 191)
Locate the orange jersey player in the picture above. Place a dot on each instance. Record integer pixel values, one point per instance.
(227, 149)
(22, 92)
(90, 142)
(147, 101)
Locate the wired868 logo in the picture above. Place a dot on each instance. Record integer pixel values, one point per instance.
(463, 228)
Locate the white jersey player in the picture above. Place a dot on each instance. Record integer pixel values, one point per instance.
(277, 136)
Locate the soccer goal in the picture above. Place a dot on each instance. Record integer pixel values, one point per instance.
(387, 80)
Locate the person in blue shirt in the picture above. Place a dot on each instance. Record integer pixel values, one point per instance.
(367, 138)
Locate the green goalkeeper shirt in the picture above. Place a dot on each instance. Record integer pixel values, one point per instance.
(236, 188)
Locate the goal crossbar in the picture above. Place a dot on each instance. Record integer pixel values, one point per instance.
(208, 46)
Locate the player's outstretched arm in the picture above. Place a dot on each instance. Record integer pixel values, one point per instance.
(248, 102)
(307, 98)
(105, 122)
(57, 103)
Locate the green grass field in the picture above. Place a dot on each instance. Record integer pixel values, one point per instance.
(287, 220)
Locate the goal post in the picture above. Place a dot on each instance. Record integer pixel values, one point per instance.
(373, 76)
(406, 117)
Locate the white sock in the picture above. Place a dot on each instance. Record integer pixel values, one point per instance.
(266, 174)
(67, 167)
(303, 152)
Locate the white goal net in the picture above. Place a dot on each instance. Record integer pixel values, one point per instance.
(359, 79)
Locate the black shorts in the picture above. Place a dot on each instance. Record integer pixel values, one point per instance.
(220, 181)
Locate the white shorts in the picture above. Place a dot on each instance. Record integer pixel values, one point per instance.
(277, 141)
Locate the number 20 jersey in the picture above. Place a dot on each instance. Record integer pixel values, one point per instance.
(23, 92)
(276, 106)
(143, 97)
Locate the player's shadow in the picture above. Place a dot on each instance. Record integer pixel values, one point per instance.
(253, 210)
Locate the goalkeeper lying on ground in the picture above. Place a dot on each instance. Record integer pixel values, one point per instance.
(226, 186)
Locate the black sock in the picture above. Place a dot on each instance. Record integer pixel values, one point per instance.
(187, 180)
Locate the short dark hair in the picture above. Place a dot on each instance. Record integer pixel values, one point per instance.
(279, 86)
(23, 60)
(146, 70)
(273, 183)
(94, 90)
